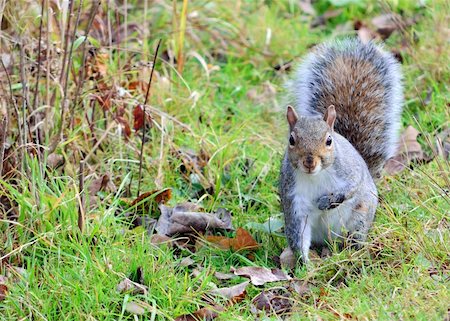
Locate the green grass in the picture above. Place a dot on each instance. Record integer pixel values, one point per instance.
(402, 273)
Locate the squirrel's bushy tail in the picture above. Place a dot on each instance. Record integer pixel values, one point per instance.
(363, 82)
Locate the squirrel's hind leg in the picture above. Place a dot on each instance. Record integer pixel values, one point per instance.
(359, 225)
(300, 239)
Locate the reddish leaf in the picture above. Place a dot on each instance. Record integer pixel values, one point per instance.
(148, 202)
(138, 114)
(242, 241)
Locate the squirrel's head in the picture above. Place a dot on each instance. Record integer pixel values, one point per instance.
(310, 144)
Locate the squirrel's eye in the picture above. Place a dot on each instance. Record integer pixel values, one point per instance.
(329, 141)
(291, 140)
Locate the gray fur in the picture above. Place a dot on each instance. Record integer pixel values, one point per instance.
(340, 200)
(378, 140)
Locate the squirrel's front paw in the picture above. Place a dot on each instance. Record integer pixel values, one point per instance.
(330, 201)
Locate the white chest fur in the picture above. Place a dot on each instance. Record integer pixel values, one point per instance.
(325, 225)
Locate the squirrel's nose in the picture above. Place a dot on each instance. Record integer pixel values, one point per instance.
(309, 162)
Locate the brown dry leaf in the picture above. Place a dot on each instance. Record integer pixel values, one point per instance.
(158, 239)
(206, 314)
(148, 202)
(261, 275)
(3, 287)
(102, 183)
(365, 34)
(409, 150)
(387, 23)
(185, 218)
(125, 126)
(235, 293)
(224, 276)
(187, 261)
(138, 115)
(126, 285)
(242, 241)
(276, 300)
(54, 161)
(300, 287)
(100, 66)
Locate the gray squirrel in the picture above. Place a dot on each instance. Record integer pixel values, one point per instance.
(348, 102)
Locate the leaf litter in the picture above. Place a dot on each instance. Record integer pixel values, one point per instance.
(408, 151)
(261, 275)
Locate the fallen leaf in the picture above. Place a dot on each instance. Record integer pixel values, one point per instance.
(261, 275)
(242, 241)
(126, 285)
(235, 293)
(148, 202)
(187, 261)
(300, 287)
(365, 34)
(138, 115)
(3, 287)
(387, 23)
(276, 300)
(185, 218)
(196, 272)
(206, 314)
(102, 183)
(54, 161)
(408, 150)
(125, 126)
(135, 308)
(224, 276)
(160, 239)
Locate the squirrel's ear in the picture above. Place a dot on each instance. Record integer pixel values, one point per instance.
(330, 116)
(291, 116)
